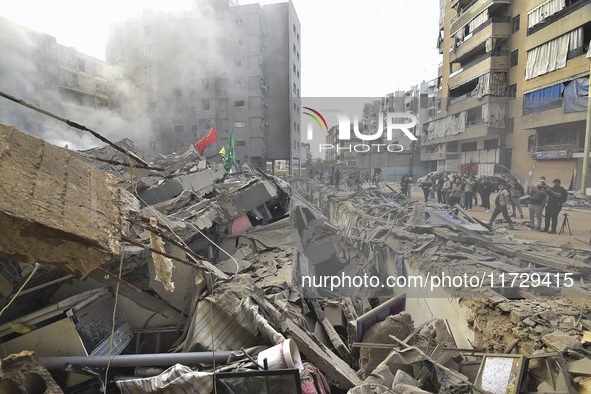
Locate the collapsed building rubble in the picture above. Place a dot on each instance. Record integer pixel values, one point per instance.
(189, 281)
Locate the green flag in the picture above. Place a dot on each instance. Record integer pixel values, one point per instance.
(228, 156)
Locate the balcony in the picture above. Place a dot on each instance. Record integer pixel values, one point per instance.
(472, 11)
(492, 61)
(569, 9)
(551, 116)
(499, 27)
(469, 101)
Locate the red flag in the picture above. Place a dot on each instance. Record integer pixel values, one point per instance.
(209, 139)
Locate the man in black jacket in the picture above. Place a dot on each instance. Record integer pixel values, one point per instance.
(556, 196)
(485, 188)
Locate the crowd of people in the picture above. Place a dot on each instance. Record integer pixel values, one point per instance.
(465, 190)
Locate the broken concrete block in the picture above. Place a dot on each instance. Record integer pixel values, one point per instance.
(404, 378)
(334, 313)
(24, 373)
(401, 325)
(201, 182)
(56, 209)
(370, 389)
(560, 341)
(517, 316)
(548, 315)
(580, 367)
(162, 191)
(406, 389)
(246, 197)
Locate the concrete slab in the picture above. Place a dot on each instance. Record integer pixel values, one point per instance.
(55, 209)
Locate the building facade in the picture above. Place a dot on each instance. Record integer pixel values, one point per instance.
(506, 75)
(233, 67)
(59, 79)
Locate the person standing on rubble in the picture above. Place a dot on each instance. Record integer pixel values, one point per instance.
(536, 199)
(516, 193)
(376, 179)
(556, 196)
(446, 189)
(468, 190)
(476, 190)
(426, 186)
(404, 184)
(440, 195)
(485, 190)
(501, 203)
(456, 193)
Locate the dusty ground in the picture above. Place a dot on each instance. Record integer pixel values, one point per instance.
(578, 218)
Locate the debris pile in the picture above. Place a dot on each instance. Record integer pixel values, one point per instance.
(250, 283)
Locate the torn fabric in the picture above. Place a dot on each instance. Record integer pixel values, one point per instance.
(178, 379)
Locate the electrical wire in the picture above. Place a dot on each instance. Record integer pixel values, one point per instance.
(36, 266)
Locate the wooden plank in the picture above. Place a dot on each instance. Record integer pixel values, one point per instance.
(323, 358)
(553, 261)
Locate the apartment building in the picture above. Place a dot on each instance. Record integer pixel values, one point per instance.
(219, 64)
(59, 79)
(400, 154)
(506, 82)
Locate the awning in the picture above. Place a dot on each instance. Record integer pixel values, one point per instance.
(552, 169)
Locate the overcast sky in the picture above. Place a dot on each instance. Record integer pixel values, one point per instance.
(350, 48)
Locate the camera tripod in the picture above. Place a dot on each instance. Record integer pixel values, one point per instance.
(565, 223)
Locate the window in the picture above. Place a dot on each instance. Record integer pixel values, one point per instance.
(239, 104)
(205, 104)
(238, 63)
(510, 125)
(294, 67)
(491, 144)
(237, 43)
(237, 22)
(294, 88)
(81, 65)
(514, 58)
(239, 83)
(508, 158)
(469, 146)
(203, 43)
(204, 84)
(194, 128)
(239, 124)
(147, 50)
(240, 143)
(178, 129)
(513, 90)
(294, 48)
(516, 23)
(531, 143)
(148, 70)
(294, 28)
